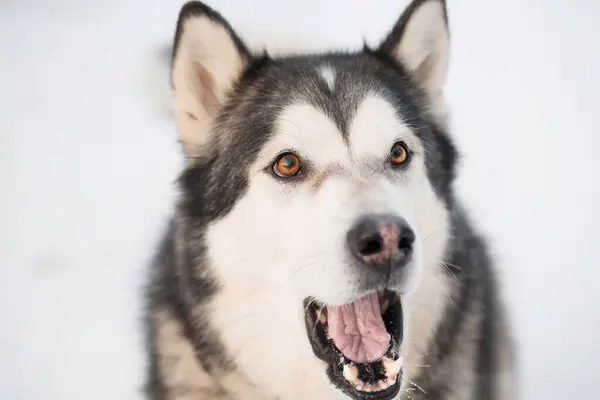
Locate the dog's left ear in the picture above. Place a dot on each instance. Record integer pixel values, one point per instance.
(208, 59)
(420, 43)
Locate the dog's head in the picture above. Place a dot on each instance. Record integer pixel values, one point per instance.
(320, 178)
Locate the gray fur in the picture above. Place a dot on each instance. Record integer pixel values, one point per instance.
(470, 355)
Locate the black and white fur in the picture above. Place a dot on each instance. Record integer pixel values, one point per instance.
(225, 313)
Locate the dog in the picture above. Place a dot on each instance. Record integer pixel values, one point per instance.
(317, 248)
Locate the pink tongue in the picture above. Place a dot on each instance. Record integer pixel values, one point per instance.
(357, 329)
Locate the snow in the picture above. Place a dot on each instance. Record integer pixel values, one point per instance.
(88, 157)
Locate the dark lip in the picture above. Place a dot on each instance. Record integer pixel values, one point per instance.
(324, 349)
(386, 394)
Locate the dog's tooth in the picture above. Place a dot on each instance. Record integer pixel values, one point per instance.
(360, 386)
(368, 388)
(384, 306)
(322, 318)
(392, 368)
(381, 385)
(350, 372)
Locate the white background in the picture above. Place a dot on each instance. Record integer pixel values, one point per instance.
(88, 157)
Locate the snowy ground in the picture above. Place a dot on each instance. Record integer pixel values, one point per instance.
(88, 159)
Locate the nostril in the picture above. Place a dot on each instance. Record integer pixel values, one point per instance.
(371, 247)
(406, 240)
(405, 244)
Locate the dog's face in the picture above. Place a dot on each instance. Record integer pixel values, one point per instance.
(319, 179)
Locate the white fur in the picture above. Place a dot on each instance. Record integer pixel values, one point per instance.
(424, 48)
(288, 243)
(206, 66)
(328, 74)
(282, 243)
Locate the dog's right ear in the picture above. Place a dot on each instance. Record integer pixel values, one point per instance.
(208, 58)
(420, 42)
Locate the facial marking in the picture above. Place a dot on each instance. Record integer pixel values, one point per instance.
(375, 128)
(328, 74)
(311, 134)
(322, 176)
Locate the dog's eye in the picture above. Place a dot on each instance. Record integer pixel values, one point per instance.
(399, 154)
(287, 165)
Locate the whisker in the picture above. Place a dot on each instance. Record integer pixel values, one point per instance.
(310, 257)
(446, 269)
(430, 235)
(406, 392)
(419, 365)
(441, 285)
(418, 387)
(298, 270)
(451, 265)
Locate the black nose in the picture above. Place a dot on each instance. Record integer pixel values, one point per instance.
(381, 241)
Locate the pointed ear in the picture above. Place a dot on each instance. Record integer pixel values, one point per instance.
(208, 58)
(420, 43)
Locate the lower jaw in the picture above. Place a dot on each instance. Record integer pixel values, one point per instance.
(372, 376)
(389, 393)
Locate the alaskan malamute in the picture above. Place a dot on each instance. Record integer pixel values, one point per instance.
(317, 250)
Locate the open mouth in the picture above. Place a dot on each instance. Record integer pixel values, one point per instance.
(361, 343)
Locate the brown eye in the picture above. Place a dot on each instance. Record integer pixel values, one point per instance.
(399, 154)
(287, 165)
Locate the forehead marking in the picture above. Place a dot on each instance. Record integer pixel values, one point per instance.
(375, 127)
(310, 131)
(328, 75)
